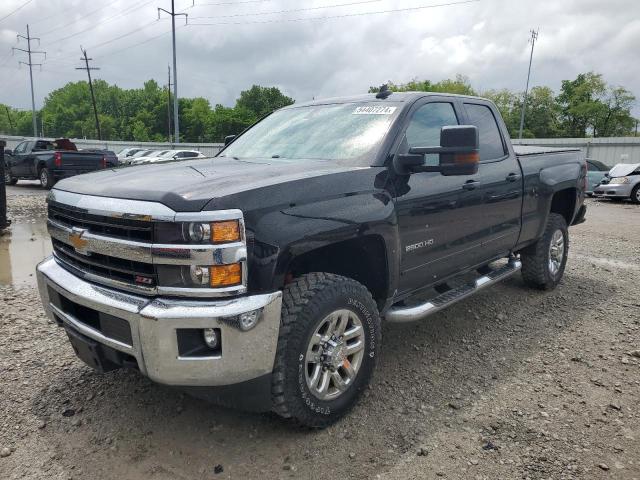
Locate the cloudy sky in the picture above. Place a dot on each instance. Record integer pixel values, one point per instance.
(319, 48)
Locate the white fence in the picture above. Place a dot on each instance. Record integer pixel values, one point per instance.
(209, 149)
(610, 150)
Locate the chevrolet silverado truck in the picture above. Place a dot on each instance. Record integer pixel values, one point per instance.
(260, 278)
(50, 161)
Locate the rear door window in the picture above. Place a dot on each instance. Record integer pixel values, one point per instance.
(491, 144)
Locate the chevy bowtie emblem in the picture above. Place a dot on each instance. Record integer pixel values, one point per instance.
(79, 243)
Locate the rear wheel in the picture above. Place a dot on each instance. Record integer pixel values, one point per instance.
(543, 263)
(635, 194)
(327, 349)
(46, 179)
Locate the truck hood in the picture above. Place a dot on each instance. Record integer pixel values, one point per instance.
(187, 186)
(623, 169)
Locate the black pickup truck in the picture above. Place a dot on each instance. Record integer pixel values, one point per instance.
(49, 161)
(260, 278)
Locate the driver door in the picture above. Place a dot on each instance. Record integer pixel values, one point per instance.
(438, 216)
(17, 160)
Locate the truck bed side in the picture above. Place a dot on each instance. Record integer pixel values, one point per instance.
(554, 180)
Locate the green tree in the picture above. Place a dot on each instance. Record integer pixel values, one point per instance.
(589, 106)
(262, 100)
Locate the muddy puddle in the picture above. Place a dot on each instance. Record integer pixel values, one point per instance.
(22, 247)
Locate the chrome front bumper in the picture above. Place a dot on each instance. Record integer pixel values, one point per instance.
(154, 321)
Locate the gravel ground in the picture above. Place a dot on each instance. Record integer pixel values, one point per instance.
(512, 383)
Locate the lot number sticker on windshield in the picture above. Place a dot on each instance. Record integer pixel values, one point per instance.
(374, 110)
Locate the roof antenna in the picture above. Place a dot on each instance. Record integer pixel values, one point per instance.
(384, 92)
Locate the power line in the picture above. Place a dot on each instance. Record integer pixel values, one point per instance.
(176, 124)
(346, 15)
(55, 29)
(129, 47)
(16, 10)
(28, 51)
(534, 37)
(93, 97)
(306, 9)
(102, 22)
(231, 3)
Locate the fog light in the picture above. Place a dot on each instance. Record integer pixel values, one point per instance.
(248, 320)
(199, 275)
(211, 338)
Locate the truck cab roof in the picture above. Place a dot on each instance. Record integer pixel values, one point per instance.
(402, 97)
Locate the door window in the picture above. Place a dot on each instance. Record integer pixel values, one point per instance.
(20, 148)
(491, 146)
(426, 123)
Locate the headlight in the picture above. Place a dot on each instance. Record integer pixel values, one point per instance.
(619, 180)
(200, 276)
(197, 232)
(226, 231)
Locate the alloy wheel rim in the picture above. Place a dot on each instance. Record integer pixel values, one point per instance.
(334, 354)
(43, 177)
(638, 195)
(556, 252)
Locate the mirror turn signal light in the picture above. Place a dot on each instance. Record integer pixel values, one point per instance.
(225, 231)
(225, 275)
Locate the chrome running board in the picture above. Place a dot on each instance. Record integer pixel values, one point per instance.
(418, 312)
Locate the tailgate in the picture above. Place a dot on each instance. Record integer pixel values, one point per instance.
(82, 161)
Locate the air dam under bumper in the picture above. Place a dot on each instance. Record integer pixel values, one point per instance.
(245, 356)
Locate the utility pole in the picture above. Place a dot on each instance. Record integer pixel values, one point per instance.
(169, 103)
(28, 51)
(93, 97)
(534, 37)
(176, 124)
(11, 123)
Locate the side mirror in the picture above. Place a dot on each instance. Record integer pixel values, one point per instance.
(228, 139)
(459, 153)
(8, 151)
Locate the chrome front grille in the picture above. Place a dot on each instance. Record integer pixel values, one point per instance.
(111, 241)
(115, 227)
(129, 271)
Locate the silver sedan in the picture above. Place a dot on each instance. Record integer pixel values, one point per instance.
(624, 182)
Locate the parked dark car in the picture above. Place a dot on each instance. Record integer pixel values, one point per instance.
(49, 161)
(112, 158)
(260, 278)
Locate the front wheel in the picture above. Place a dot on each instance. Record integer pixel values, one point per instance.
(327, 348)
(543, 263)
(635, 194)
(46, 179)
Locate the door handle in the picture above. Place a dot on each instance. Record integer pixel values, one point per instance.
(512, 177)
(470, 184)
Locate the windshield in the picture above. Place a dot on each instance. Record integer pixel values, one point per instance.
(326, 132)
